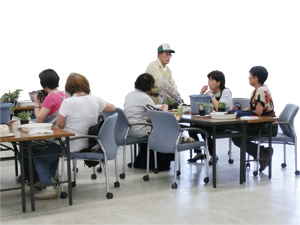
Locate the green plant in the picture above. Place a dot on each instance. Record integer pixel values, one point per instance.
(169, 101)
(12, 109)
(11, 96)
(221, 105)
(24, 115)
(204, 105)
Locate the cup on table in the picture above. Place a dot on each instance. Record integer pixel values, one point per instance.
(179, 110)
(165, 107)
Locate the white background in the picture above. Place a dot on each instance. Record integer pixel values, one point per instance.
(112, 42)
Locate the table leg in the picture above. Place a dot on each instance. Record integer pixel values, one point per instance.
(243, 154)
(31, 176)
(69, 170)
(214, 157)
(270, 147)
(22, 177)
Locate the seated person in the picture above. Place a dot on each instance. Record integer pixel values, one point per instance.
(135, 109)
(81, 111)
(216, 84)
(261, 103)
(46, 112)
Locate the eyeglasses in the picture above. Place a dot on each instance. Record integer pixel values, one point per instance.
(168, 54)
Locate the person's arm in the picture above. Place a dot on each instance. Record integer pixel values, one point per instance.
(61, 121)
(258, 109)
(40, 113)
(109, 108)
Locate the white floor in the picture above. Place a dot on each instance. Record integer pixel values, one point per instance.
(259, 201)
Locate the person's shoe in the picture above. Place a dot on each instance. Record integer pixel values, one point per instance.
(38, 185)
(196, 158)
(264, 163)
(18, 179)
(46, 193)
(211, 161)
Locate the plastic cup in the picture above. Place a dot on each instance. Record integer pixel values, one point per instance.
(179, 110)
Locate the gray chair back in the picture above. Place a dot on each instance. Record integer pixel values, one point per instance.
(122, 125)
(288, 115)
(241, 102)
(106, 136)
(165, 132)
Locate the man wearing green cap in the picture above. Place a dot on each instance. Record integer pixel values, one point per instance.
(164, 86)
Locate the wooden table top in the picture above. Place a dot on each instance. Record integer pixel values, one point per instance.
(24, 136)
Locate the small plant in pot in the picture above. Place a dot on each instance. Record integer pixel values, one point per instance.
(11, 96)
(202, 108)
(170, 102)
(24, 117)
(221, 106)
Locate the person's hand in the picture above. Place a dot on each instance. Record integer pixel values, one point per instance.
(204, 89)
(234, 108)
(36, 99)
(209, 93)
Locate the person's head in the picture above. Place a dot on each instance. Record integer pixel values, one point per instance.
(49, 79)
(164, 53)
(260, 73)
(77, 83)
(144, 82)
(216, 80)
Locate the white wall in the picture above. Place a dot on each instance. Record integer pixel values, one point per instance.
(112, 42)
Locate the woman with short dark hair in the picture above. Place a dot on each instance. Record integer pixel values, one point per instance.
(135, 107)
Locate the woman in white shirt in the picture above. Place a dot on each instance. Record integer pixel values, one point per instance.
(81, 111)
(216, 88)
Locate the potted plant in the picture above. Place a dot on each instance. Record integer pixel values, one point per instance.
(221, 106)
(24, 117)
(202, 108)
(11, 96)
(11, 112)
(170, 102)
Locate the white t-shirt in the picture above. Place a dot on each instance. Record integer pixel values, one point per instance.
(81, 113)
(226, 97)
(136, 111)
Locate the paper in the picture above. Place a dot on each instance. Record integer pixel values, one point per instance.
(41, 132)
(249, 117)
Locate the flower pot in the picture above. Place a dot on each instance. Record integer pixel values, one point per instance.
(221, 109)
(24, 122)
(202, 112)
(170, 107)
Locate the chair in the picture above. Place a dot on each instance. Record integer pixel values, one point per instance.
(240, 103)
(121, 134)
(106, 140)
(287, 135)
(165, 137)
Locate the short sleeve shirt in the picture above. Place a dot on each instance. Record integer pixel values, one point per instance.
(263, 95)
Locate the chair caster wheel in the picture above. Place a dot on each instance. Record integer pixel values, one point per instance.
(63, 195)
(283, 165)
(117, 184)
(99, 169)
(247, 165)
(122, 176)
(156, 171)
(255, 173)
(297, 172)
(146, 178)
(178, 173)
(75, 170)
(73, 183)
(129, 165)
(230, 161)
(94, 176)
(206, 180)
(109, 195)
(174, 186)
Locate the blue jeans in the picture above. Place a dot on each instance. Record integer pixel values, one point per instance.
(47, 162)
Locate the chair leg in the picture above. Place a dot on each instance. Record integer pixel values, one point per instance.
(283, 165)
(230, 160)
(146, 177)
(206, 179)
(109, 195)
(155, 162)
(122, 175)
(117, 183)
(297, 172)
(174, 184)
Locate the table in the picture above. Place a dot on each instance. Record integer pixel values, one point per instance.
(233, 124)
(25, 138)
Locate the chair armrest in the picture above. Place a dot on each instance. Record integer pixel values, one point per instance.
(85, 136)
(146, 124)
(196, 130)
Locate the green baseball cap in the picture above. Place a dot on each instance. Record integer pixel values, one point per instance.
(165, 48)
